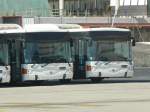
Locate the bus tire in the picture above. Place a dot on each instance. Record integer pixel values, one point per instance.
(96, 79)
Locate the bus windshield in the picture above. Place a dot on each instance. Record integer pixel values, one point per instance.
(46, 52)
(4, 59)
(109, 51)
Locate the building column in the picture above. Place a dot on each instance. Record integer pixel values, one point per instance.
(61, 7)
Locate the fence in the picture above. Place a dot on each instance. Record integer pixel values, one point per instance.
(45, 12)
(52, 13)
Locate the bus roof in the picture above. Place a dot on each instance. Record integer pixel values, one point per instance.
(10, 28)
(50, 27)
(79, 33)
(110, 34)
(110, 29)
(50, 31)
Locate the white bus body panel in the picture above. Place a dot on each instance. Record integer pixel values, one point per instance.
(5, 74)
(113, 69)
(52, 71)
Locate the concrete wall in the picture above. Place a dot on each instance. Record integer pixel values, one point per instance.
(134, 10)
(24, 7)
(141, 54)
(90, 20)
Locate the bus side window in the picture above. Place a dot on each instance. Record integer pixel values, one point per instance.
(23, 45)
(90, 43)
(71, 43)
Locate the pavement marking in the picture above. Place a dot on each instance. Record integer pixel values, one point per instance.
(68, 104)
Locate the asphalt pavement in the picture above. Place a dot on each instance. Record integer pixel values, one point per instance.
(111, 95)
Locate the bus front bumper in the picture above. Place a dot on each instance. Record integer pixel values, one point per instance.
(107, 74)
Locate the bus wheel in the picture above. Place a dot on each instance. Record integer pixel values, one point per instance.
(96, 79)
(65, 81)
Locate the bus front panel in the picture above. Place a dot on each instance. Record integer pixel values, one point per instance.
(47, 60)
(109, 58)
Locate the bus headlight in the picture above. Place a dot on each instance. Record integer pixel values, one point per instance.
(24, 71)
(88, 68)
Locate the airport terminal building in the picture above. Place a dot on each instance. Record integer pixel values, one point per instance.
(54, 7)
(67, 8)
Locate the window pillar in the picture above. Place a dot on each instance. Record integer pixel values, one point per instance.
(61, 7)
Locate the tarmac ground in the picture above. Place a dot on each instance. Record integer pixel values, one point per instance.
(111, 95)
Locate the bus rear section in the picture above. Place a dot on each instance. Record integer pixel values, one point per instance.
(46, 56)
(4, 62)
(9, 34)
(110, 54)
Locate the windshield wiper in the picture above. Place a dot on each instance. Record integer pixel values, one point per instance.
(100, 58)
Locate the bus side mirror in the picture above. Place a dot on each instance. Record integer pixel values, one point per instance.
(133, 42)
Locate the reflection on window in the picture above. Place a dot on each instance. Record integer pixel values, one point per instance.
(109, 51)
(46, 52)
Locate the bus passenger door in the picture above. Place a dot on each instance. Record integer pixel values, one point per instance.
(15, 60)
(79, 58)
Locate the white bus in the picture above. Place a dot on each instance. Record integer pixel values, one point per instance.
(10, 38)
(47, 52)
(64, 52)
(99, 53)
(109, 54)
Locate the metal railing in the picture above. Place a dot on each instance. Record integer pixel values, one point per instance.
(68, 13)
(54, 13)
